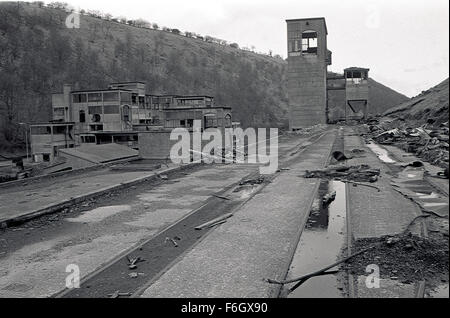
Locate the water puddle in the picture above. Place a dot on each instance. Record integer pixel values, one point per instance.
(320, 245)
(99, 214)
(432, 195)
(380, 152)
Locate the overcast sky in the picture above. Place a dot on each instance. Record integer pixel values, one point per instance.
(405, 43)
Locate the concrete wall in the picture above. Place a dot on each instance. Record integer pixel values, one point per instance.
(157, 144)
(307, 75)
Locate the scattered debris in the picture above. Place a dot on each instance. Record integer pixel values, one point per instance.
(118, 294)
(328, 198)
(221, 197)
(168, 239)
(215, 221)
(349, 173)
(408, 257)
(135, 275)
(260, 179)
(339, 156)
(132, 262)
(354, 183)
(431, 143)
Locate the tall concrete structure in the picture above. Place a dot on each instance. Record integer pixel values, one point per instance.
(356, 92)
(308, 58)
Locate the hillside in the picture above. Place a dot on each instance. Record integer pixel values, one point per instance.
(381, 98)
(430, 106)
(39, 54)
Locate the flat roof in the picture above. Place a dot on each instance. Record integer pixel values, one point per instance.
(127, 83)
(195, 108)
(309, 19)
(354, 68)
(193, 96)
(52, 123)
(101, 90)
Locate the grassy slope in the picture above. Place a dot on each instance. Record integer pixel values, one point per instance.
(430, 104)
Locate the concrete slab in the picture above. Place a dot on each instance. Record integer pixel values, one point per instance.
(375, 214)
(255, 244)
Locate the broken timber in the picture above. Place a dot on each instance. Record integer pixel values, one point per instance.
(213, 221)
(317, 273)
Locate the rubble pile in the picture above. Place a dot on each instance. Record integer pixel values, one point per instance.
(406, 258)
(361, 173)
(430, 143)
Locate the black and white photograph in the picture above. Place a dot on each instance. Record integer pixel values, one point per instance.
(235, 156)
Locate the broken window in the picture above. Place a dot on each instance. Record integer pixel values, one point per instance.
(309, 42)
(227, 121)
(126, 113)
(58, 111)
(95, 97)
(294, 46)
(134, 99)
(96, 127)
(356, 77)
(41, 130)
(111, 109)
(141, 102)
(94, 110)
(111, 97)
(96, 118)
(79, 98)
(82, 116)
(59, 130)
(125, 97)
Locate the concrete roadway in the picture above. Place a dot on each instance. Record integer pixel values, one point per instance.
(34, 256)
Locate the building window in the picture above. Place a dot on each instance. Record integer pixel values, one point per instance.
(294, 46)
(88, 139)
(111, 97)
(309, 42)
(210, 122)
(95, 110)
(59, 130)
(126, 113)
(356, 77)
(228, 121)
(134, 99)
(96, 127)
(125, 97)
(96, 118)
(94, 97)
(82, 116)
(58, 111)
(110, 109)
(41, 130)
(79, 98)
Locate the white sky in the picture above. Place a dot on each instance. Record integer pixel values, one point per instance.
(405, 43)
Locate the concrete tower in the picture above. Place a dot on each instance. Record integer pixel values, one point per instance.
(356, 92)
(308, 58)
